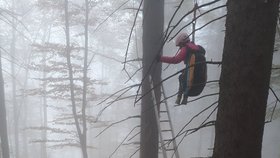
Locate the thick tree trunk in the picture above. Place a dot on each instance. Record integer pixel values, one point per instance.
(244, 82)
(3, 120)
(153, 12)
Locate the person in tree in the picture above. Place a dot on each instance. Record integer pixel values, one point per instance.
(193, 78)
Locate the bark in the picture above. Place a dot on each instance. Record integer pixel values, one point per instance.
(244, 82)
(3, 118)
(153, 12)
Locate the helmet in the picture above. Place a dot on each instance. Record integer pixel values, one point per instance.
(182, 38)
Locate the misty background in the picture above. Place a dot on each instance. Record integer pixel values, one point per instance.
(39, 116)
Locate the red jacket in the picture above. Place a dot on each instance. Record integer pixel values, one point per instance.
(180, 56)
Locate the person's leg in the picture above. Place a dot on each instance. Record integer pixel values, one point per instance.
(185, 87)
(181, 88)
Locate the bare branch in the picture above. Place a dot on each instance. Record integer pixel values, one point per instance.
(98, 26)
(199, 27)
(180, 132)
(274, 94)
(202, 125)
(207, 95)
(14, 15)
(123, 141)
(272, 113)
(134, 74)
(128, 87)
(274, 107)
(171, 19)
(134, 152)
(101, 111)
(105, 56)
(207, 124)
(134, 9)
(130, 117)
(209, 115)
(174, 26)
(130, 34)
(132, 60)
(123, 98)
(192, 130)
(133, 136)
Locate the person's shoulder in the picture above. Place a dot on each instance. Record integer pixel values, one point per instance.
(192, 45)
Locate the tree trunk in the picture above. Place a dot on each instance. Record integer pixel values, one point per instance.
(85, 82)
(3, 119)
(244, 82)
(14, 97)
(44, 153)
(70, 70)
(24, 103)
(153, 21)
(14, 86)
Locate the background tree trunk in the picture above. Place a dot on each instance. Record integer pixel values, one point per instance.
(73, 102)
(153, 21)
(25, 110)
(85, 82)
(244, 82)
(44, 153)
(3, 119)
(14, 86)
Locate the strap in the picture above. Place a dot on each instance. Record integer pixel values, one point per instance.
(189, 52)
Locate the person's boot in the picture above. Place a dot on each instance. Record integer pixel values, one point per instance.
(178, 100)
(185, 100)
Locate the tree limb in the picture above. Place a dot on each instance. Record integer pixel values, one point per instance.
(130, 117)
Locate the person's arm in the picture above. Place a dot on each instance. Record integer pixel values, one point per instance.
(175, 59)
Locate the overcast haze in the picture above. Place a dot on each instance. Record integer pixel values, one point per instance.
(40, 120)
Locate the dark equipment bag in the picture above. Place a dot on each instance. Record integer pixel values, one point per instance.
(200, 71)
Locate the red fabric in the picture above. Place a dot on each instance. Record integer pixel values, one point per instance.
(180, 56)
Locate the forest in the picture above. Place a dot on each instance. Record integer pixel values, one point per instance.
(105, 79)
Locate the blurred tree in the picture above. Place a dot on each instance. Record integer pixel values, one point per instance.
(14, 86)
(244, 82)
(3, 118)
(82, 131)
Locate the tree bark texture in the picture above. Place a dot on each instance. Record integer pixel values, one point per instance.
(153, 19)
(244, 82)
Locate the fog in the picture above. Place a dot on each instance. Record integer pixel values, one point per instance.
(40, 121)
